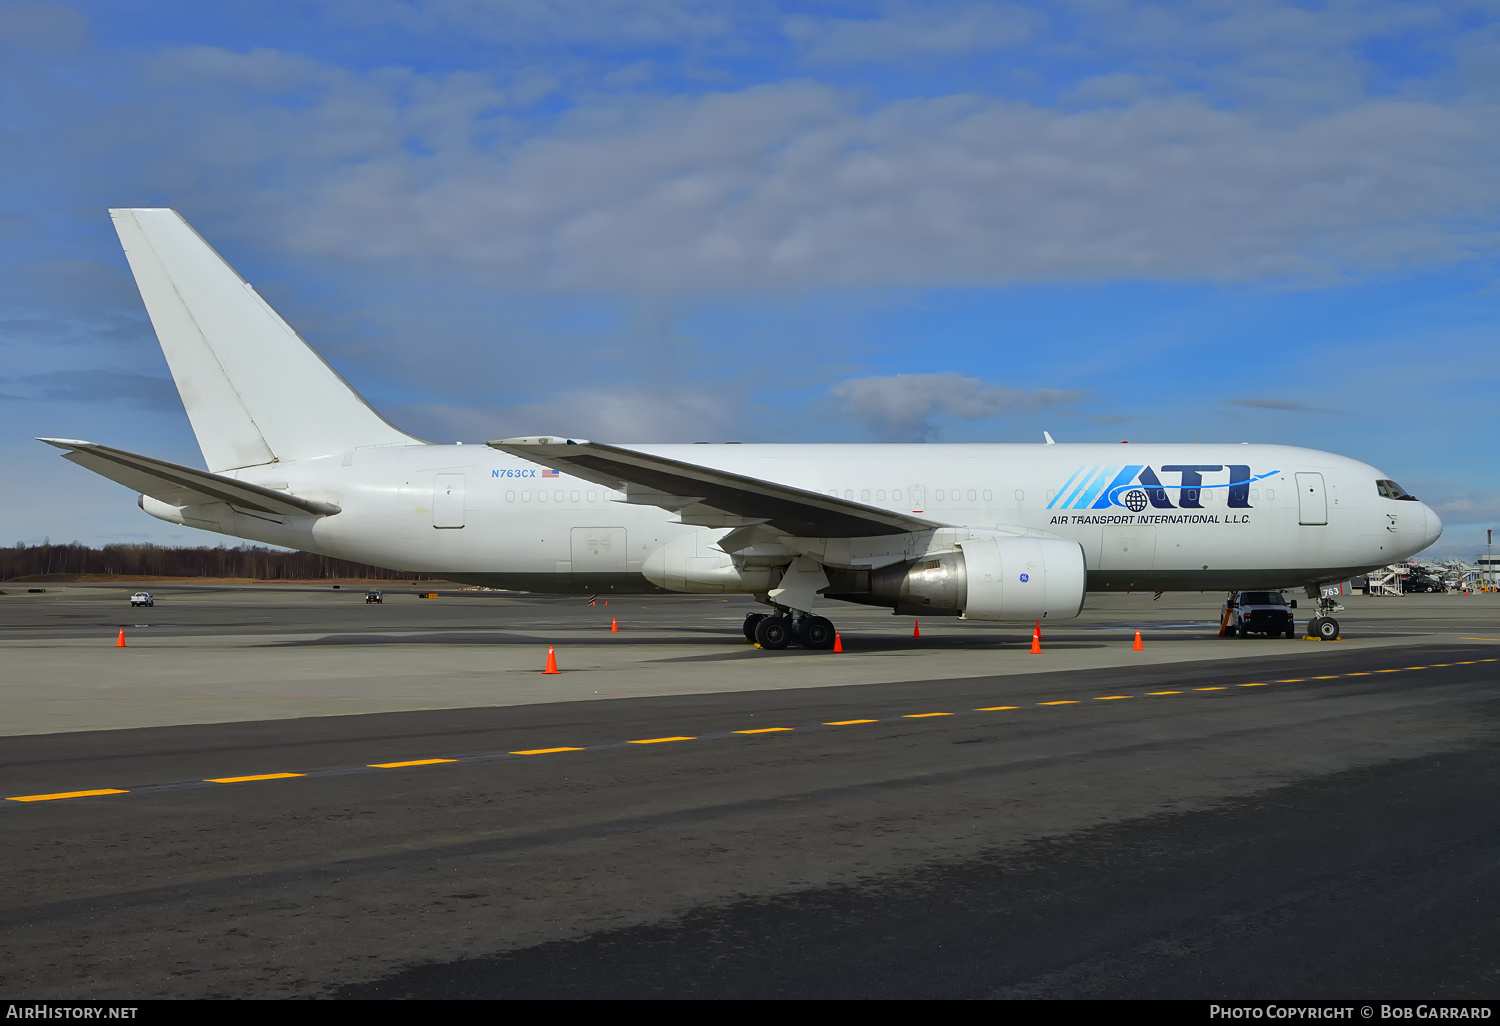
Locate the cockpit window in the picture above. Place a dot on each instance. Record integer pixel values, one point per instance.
(1391, 490)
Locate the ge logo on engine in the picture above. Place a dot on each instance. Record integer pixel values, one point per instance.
(1025, 578)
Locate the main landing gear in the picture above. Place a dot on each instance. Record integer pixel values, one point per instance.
(778, 630)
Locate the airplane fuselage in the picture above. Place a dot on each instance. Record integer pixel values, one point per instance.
(1148, 516)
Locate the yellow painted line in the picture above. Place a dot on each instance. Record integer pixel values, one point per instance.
(258, 776)
(1066, 701)
(1416, 667)
(1468, 662)
(1329, 676)
(1291, 680)
(1487, 660)
(63, 794)
(763, 730)
(1164, 692)
(660, 740)
(1436, 665)
(1111, 698)
(1397, 670)
(1260, 685)
(997, 708)
(847, 723)
(414, 762)
(1361, 673)
(549, 751)
(920, 716)
(1217, 687)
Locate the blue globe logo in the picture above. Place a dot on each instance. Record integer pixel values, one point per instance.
(1135, 500)
(1025, 578)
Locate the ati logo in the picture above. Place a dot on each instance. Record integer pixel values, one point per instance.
(1137, 487)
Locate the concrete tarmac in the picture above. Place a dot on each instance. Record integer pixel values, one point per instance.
(917, 817)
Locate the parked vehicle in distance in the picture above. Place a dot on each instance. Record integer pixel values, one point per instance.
(1260, 612)
(374, 596)
(142, 598)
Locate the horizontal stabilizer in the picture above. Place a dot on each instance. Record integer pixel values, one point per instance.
(710, 497)
(183, 486)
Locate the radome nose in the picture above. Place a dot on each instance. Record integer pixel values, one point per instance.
(1432, 526)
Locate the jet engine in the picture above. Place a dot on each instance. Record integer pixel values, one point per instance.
(989, 577)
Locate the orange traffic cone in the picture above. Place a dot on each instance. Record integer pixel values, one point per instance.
(1036, 639)
(838, 644)
(120, 641)
(1138, 646)
(614, 626)
(551, 661)
(916, 629)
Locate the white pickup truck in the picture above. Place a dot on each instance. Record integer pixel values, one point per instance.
(1260, 612)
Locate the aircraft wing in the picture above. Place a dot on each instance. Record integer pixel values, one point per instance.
(183, 486)
(712, 498)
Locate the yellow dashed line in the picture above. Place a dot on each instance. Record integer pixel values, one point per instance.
(63, 794)
(1416, 667)
(1436, 665)
(1111, 698)
(258, 776)
(660, 740)
(1164, 692)
(414, 762)
(1329, 676)
(847, 723)
(1292, 680)
(1362, 673)
(1397, 670)
(1217, 687)
(549, 751)
(997, 708)
(1260, 685)
(1064, 702)
(763, 730)
(923, 716)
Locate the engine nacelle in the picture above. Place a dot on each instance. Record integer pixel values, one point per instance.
(990, 577)
(694, 563)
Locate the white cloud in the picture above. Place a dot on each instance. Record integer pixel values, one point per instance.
(797, 186)
(902, 407)
(909, 32)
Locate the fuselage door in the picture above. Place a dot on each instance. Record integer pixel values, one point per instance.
(598, 550)
(918, 496)
(448, 500)
(1312, 501)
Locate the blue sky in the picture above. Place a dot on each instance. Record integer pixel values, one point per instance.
(682, 221)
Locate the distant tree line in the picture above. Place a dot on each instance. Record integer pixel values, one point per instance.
(252, 561)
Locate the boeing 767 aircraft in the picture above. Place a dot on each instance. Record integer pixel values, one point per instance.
(1017, 533)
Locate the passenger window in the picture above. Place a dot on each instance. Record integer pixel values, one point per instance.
(525, 496)
(541, 496)
(1020, 495)
(1051, 494)
(558, 496)
(1270, 494)
(880, 495)
(593, 496)
(848, 493)
(510, 496)
(864, 496)
(972, 496)
(1254, 494)
(575, 496)
(988, 495)
(937, 496)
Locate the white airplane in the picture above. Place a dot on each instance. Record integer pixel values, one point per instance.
(1016, 533)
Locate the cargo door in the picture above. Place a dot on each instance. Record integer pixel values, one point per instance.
(448, 500)
(1128, 548)
(598, 550)
(1312, 501)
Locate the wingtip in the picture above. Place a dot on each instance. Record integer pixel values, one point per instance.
(66, 443)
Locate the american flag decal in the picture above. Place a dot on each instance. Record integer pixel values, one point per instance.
(550, 473)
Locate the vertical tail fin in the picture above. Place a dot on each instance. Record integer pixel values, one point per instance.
(254, 390)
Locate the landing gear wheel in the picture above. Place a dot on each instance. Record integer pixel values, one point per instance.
(751, 619)
(773, 632)
(816, 632)
(1327, 628)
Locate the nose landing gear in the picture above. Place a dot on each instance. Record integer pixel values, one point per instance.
(1323, 626)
